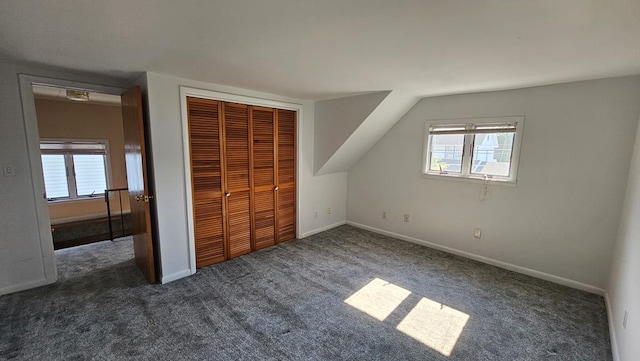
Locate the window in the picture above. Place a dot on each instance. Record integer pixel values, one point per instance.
(74, 169)
(482, 148)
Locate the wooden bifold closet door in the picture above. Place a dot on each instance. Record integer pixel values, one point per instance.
(243, 177)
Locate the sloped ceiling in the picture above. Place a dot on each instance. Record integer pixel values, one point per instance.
(337, 119)
(346, 128)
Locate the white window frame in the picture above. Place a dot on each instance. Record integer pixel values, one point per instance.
(467, 153)
(68, 159)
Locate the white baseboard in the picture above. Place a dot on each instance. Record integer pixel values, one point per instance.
(24, 286)
(612, 329)
(322, 229)
(175, 276)
(511, 267)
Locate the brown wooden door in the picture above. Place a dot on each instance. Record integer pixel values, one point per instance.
(205, 130)
(236, 155)
(263, 131)
(286, 175)
(139, 196)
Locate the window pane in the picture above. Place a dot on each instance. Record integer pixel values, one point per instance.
(446, 153)
(492, 153)
(55, 176)
(91, 177)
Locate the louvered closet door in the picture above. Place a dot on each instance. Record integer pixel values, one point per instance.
(206, 179)
(286, 202)
(236, 127)
(263, 132)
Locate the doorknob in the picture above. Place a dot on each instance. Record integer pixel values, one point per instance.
(227, 194)
(276, 188)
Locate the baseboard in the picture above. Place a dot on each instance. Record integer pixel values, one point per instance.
(322, 229)
(508, 266)
(175, 276)
(24, 286)
(612, 329)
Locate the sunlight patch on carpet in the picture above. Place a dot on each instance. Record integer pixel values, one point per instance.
(378, 298)
(432, 323)
(435, 325)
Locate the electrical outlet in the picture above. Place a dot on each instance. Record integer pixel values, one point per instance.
(8, 170)
(477, 233)
(624, 320)
(315, 214)
(406, 217)
(384, 215)
(328, 210)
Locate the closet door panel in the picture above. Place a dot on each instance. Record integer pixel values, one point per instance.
(286, 202)
(206, 180)
(236, 128)
(239, 224)
(263, 131)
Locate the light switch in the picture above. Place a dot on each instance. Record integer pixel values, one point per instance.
(8, 170)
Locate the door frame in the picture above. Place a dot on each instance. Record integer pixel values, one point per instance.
(185, 92)
(35, 162)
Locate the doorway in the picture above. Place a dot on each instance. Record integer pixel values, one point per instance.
(82, 154)
(79, 161)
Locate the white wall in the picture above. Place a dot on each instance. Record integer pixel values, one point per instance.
(315, 193)
(562, 217)
(24, 263)
(624, 284)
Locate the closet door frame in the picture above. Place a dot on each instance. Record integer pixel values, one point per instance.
(233, 98)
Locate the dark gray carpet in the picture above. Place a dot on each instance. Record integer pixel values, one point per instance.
(287, 303)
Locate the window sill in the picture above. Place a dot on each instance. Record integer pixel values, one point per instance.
(67, 200)
(459, 178)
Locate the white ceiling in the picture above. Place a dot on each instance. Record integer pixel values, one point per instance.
(318, 49)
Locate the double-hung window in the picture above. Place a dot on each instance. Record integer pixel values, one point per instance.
(481, 148)
(74, 169)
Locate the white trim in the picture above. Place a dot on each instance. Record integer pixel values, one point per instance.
(186, 151)
(176, 276)
(35, 163)
(458, 178)
(235, 98)
(322, 229)
(508, 266)
(612, 328)
(99, 197)
(24, 286)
